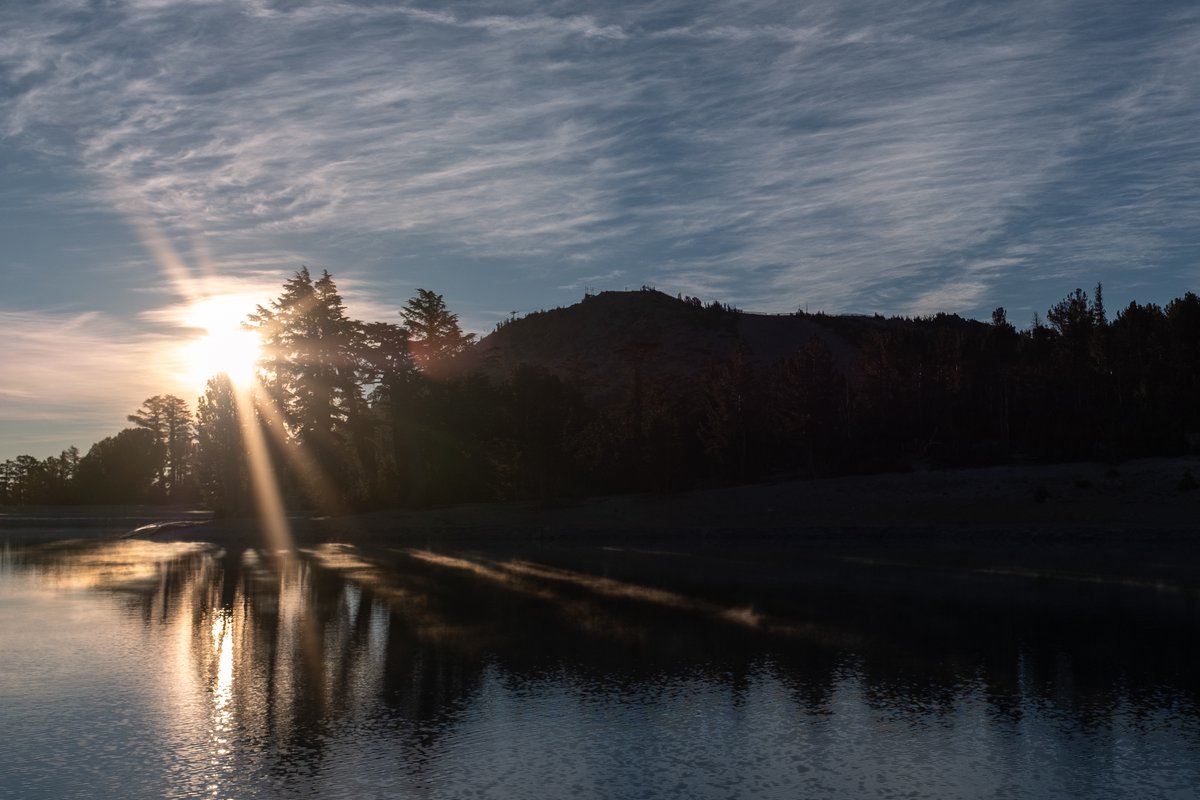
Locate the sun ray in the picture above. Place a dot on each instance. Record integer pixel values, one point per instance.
(315, 479)
(226, 347)
(268, 499)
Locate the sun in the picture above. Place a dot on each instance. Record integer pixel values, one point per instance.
(225, 347)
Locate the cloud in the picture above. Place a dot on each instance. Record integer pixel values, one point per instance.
(294, 127)
(949, 297)
(850, 155)
(71, 374)
(827, 150)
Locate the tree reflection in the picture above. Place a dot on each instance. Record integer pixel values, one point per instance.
(290, 650)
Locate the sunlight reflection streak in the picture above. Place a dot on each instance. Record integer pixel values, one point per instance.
(223, 690)
(512, 572)
(410, 602)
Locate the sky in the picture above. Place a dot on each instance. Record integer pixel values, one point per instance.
(840, 155)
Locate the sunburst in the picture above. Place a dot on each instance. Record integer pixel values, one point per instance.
(225, 347)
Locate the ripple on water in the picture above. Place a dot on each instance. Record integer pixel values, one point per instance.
(191, 679)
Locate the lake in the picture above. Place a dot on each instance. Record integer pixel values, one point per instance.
(605, 669)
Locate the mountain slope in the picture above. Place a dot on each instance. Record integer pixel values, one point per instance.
(603, 340)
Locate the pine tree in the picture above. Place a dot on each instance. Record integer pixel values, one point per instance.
(169, 420)
(221, 468)
(1072, 317)
(310, 356)
(389, 367)
(120, 469)
(1099, 317)
(433, 331)
(311, 359)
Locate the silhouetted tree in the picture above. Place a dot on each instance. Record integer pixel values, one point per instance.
(169, 420)
(310, 367)
(539, 422)
(802, 417)
(1072, 316)
(724, 418)
(51, 481)
(120, 469)
(386, 364)
(221, 467)
(1183, 332)
(433, 331)
(1001, 348)
(20, 476)
(939, 390)
(1140, 381)
(1076, 378)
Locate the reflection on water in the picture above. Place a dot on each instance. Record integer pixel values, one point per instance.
(137, 669)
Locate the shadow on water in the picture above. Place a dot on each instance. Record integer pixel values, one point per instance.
(293, 668)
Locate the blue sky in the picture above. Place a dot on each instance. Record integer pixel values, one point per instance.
(887, 157)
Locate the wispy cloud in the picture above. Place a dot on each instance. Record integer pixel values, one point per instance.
(278, 123)
(70, 373)
(857, 155)
(841, 145)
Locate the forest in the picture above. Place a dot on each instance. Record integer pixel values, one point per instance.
(362, 415)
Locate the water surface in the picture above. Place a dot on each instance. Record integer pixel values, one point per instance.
(140, 669)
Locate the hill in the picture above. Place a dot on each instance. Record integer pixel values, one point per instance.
(608, 339)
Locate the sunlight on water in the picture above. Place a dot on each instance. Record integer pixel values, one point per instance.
(152, 670)
(223, 690)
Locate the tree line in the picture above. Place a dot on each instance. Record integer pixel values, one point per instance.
(361, 415)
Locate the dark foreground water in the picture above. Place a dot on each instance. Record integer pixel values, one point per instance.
(138, 670)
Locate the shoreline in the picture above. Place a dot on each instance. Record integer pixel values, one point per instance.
(1133, 504)
(1071, 524)
(1138, 495)
(1076, 532)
